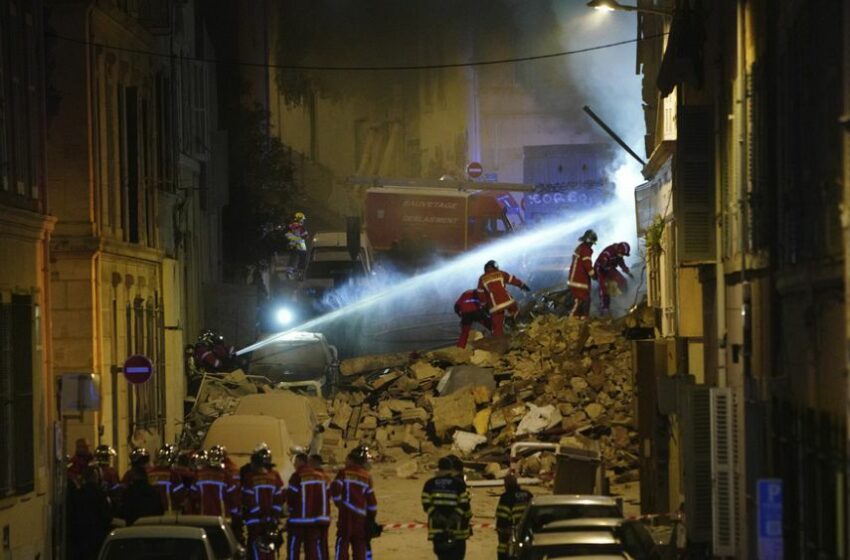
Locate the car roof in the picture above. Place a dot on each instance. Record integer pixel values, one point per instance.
(158, 532)
(573, 499)
(589, 522)
(578, 537)
(181, 519)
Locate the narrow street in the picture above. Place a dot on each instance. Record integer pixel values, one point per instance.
(578, 268)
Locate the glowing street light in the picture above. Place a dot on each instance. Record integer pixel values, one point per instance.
(613, 5)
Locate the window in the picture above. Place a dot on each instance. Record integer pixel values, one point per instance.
(17, 467)
(4, 142)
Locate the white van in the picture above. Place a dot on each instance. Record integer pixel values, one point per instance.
(240, 434)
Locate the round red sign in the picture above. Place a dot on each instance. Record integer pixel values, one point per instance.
(138, 369)
(474, 170)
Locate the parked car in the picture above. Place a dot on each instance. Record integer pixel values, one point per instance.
(221, 537)
(159, 542)
(297, 356)
(557, 507)
(596, 544)
(634, 535)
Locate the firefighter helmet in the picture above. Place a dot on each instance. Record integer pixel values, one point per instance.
(491, 264)
(624, 249)
(209, 337)
(166, 455)
(139, 457)
(216, 456)
(103, 454)
(360, 455)
(200, 459)
(300, 217)
(589, 237)
(262, 455)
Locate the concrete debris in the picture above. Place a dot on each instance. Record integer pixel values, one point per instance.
(538, 419)
(458, 377)
(558, 379)
(466, 442)
(454, 411)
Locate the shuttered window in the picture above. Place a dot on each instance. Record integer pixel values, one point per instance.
(16, 396)
(693, 185)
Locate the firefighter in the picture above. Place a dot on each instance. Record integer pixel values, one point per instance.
(499, 301)
(184, 467)
(212, 353)
(214, 490)
(317, 464)
(354, 496)
(296, 237)
(471, 307)
(165, 479)
(445, 499)
(88, 515)
(262, 496)
(607, 276)
(79, 462)
(512, 504)
(139, 498)
(581, 272)
(307, 500)
(103, 455)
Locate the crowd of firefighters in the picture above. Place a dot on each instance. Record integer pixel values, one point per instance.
(491, 303)
(257, 502)
(253, 497)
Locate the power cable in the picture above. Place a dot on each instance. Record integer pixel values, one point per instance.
(356, 68)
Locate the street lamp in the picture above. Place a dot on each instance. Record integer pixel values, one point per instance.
(613, 5)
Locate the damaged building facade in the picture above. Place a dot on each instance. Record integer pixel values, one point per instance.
(744, 218)
(138, 199)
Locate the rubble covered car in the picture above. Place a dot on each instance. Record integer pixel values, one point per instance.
(297, 356)
(240, 434)
(297, 411)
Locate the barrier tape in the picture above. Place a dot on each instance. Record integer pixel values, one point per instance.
(397, 526)
(478, 525)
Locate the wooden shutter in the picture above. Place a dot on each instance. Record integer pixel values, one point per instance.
(693, 185)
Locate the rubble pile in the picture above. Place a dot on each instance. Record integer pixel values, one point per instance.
(219, 394)
(559, 380)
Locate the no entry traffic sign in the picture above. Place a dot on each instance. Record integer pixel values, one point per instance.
(138, 369)
(474, 170)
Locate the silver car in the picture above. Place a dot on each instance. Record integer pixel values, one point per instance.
(636, 539)
(220, 535)
(157, 543)
(548, 546)
(559, 507)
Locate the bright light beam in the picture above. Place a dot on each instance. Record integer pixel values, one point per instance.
(459, 266)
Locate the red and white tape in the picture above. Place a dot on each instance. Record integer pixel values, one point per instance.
(397, 526)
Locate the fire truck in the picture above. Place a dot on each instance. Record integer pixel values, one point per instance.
(444, 217)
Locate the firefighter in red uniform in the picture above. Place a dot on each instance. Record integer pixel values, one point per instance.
(140, 459)
(307, 499)
(185, 469)
(495, 282)
(262, 496)
(165, 479)
(471, 306)
(103, 455)
(581, 272)
(79, 462)
(607, 274)
(214, 490)
(317, 464)
(212, 353)
(354, 496)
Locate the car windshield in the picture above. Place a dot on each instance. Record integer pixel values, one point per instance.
(538, 516)
(297, 358)
(155, 549)
(567, 550)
